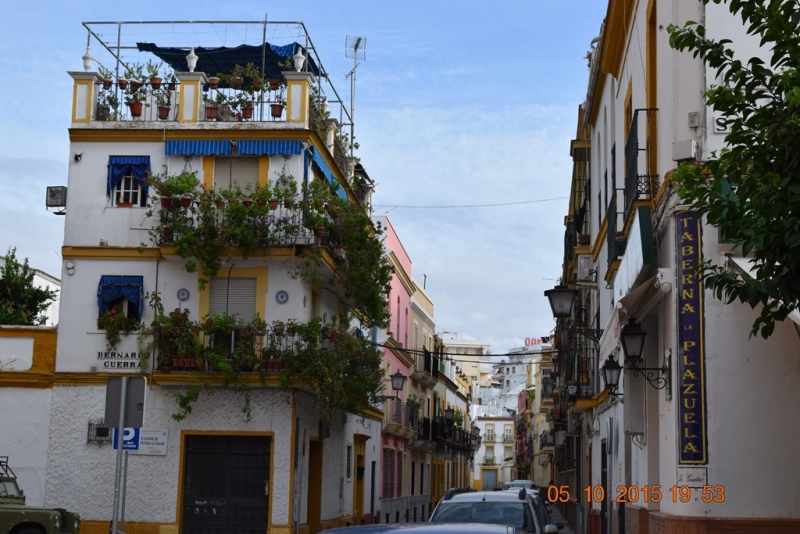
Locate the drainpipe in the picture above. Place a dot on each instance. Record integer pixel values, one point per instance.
(594, 72)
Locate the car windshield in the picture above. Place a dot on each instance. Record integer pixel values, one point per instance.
(9, 489)
(513, 514)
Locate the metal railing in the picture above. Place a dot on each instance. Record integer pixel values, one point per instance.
(616, 243)
(637, 184)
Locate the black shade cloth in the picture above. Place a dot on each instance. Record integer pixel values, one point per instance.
(222, 59)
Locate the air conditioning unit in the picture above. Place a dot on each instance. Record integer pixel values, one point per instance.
(561, 438)
(585, 271)
(339, 253)
(573, 423)
(545, 373)
(56, 196)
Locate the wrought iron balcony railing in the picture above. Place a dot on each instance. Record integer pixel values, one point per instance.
(638, 184)
(615, 238)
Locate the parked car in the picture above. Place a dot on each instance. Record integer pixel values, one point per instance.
(529, 486)
(21, 518)
(426, 528)
(541, 505)
(514, 509)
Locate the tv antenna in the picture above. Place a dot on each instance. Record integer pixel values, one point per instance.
(354, 47)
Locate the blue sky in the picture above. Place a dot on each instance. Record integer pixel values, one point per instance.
(458, 104)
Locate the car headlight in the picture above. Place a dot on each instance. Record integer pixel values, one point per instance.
(58, 522)
(77, 525)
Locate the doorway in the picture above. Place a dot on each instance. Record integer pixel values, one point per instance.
(314, 485)
(225, 484)
(604, 483)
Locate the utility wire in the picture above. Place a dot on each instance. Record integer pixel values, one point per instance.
(474, 205)
(445, 354)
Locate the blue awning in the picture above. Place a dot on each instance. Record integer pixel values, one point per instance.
(198, 148)
(113, 287)
(267, 147)
(120, 166)
(320, 161)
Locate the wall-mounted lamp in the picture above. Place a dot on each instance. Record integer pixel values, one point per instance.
(78, 156)
(561, 299)
(70, 266)
(632, 339)
(398, 381)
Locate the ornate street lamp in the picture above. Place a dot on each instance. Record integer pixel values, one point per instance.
(561, 299)
(398, 383)
(632, 337)
(448, 415)
(611, 372)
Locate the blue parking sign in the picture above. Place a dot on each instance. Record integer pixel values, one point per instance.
(130, 439)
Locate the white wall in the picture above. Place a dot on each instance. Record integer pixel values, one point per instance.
(24, 420)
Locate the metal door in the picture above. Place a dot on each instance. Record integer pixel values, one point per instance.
(226, 485)
(489, 479)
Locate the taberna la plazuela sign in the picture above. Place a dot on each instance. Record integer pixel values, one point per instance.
(692, 437)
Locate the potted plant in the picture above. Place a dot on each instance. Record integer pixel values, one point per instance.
(122, 203)
(172, 81)
(116, 325)
(107, 102)
(163, 103)
(136, 100)
(108, 78)
(173, 186)
(316, 222)
(276, 108)
(134, 73)
(213, 82)
(152, 71)
(212, 107)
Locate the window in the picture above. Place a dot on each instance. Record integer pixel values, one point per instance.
(349, 460)
(490, 454)
(125, 294)
(128, 193)
(399, 474)
(507, 454)
(240, 170)
(126, 180)
(235, 297)
(388, 474)
(513, 370)
(422, 478)
(413, 475)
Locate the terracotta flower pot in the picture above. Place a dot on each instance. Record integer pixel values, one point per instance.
(107, 83)
(276, 110)
(172, 86)
(274, 84)
(319, 231)
(135, 85)
(247, 202)
(211, 112)
(288, 203)
(136, 109)
(122, 83)
(247, 112)
(166, 203)
(155, 82)
(273, 204)
(163, 112)
(213, 82)
(236, 82)
(186, 202)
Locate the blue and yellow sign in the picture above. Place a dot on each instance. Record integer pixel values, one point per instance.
(691, 348)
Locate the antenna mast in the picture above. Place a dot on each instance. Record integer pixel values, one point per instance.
(354, 47)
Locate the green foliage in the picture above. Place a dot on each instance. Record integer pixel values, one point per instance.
(173, 185)
(21, 303)
(116, 325)
(750, 189)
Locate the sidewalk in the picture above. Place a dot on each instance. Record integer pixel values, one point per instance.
(557, 517)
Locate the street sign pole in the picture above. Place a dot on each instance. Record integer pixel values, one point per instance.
(124, 488)
(120, 434)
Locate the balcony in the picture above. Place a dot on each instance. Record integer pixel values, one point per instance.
(615, 236)
(400, 420)
(489, 461)
(425, 369)
(424, 440)
(489, 438)
(508, 438)
(639, 185)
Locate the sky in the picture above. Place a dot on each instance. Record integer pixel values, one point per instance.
(464, 113)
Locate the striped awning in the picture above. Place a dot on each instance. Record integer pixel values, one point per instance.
(320, 161)
(198, 148)
(261, 147)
